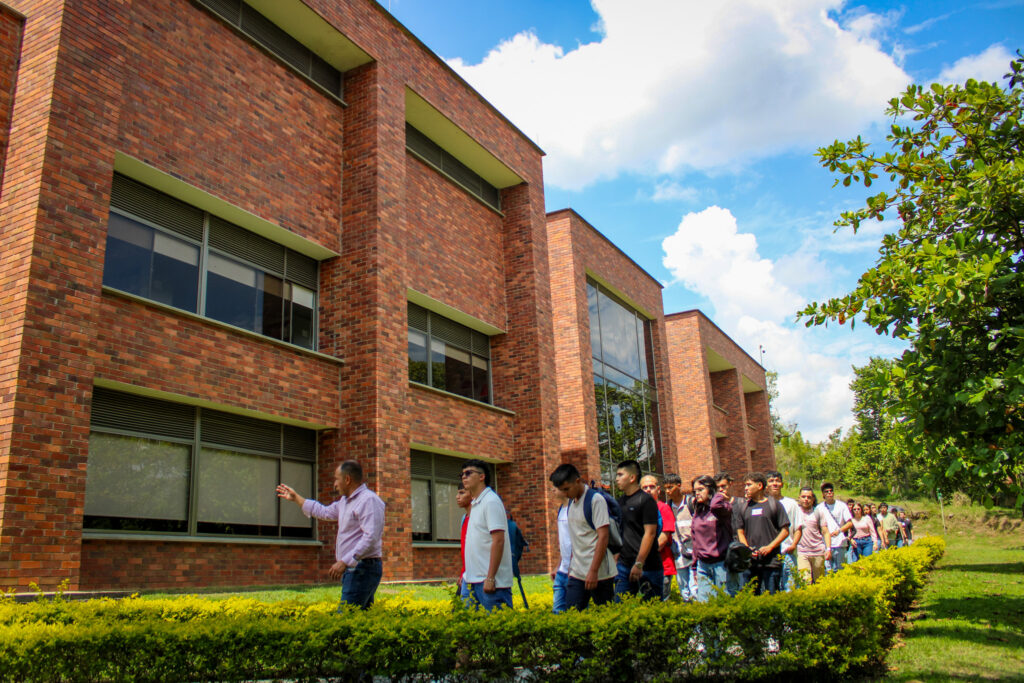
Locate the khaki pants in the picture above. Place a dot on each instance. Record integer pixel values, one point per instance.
(811, 566)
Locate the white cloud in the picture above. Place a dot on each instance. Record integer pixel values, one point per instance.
(989, 65)
(687, 84)
(755, 301)
(671, 191)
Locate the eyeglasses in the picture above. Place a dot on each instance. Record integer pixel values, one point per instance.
(466, 473)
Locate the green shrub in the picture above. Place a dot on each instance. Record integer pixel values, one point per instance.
(832, 628)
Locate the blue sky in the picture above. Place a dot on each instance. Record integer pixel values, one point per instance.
(685, 131)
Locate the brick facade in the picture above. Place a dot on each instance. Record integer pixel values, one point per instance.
(237, 124)
(231, 122)
(721, 411)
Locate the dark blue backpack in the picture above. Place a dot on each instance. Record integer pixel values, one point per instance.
(519, 545)
(614, 513)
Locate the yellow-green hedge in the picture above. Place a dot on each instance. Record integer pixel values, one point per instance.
(837, 626)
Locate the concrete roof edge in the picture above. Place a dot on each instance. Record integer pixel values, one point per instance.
(700, 313)
(393, 19)
(573, 212)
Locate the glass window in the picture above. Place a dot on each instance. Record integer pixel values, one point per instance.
(135, 483)
(436, 515)
(163, 264)
(459, 358)
(142, 482)
(625, 392)
(149, 263)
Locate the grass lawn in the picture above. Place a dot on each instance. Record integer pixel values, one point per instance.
(969, 624)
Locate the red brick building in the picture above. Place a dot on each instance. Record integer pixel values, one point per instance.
(724, 423)
(243, 241)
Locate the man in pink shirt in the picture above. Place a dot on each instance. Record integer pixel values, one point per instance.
(360, 517)
(651, 485)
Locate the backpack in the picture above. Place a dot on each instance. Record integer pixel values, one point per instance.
(519, 545)
(614, 513)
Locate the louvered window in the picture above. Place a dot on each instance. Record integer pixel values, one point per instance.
(436, 516)
(432, 153)
(162, 249)
(449, 356)
(160, 467)
(278, 42)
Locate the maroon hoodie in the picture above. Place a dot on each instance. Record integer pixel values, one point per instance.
(712, 529)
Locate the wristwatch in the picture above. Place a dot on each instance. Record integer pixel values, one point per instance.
(638, 564)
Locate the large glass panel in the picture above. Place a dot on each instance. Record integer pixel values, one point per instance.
(447, 512)
(270, 300)
(458, 372)
(129, 255)
(298, 475)
(231, 293)
(138, 484)
(437, 364)
(420, 510)
(236, 493)
(417, 356)
(603, 444)
(175, 272)
(595, 321)
(618, 336)
(302, 312)
(642, 337)
(481, 380)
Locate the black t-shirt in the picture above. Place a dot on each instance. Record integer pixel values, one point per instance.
(762, 522)
(637, 510)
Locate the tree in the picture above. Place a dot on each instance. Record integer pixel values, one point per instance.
(950, 281)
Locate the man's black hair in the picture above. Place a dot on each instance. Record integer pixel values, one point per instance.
(757, 478)
(352, 468)
(774, 474)
(565, 473)
(827, 485)
(482, 466)
(673, 479)
(631, 466)
(722, 475)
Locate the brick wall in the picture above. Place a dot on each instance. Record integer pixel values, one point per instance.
(11, 24)
(576, 248)
(233, 122)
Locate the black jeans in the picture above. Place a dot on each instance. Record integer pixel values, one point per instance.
(577, 596)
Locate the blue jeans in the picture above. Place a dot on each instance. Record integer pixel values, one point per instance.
(864, 546)
(473, 595)
(712, 575)
(837, 561)
(359, 583)
(558, 592)
(578, 597)
(648, 587)
(686, 578)
(788, 569)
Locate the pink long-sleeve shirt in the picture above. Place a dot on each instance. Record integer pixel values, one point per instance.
(360, 517)
(862, 528)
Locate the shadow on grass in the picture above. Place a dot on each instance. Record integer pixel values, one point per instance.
(997, 637)
(1001, 568)
(995, 610)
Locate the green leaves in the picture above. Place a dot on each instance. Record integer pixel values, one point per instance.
(950, 281)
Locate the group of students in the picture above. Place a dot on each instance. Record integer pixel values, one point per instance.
(708, 541)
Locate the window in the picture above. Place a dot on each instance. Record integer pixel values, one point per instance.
(432, 153)
(435, 481)
(275, 40)
(167, 251)
(624, 384)
(161, 467)
(446, 355)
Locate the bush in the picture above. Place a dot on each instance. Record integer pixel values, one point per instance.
(194, 639)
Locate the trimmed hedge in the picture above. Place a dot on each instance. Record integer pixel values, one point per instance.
(832, 628)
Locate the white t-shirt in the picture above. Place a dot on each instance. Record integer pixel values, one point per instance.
(487, 514)
(796, 521)
(584, 538)
(564, 540)
(839, 513)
